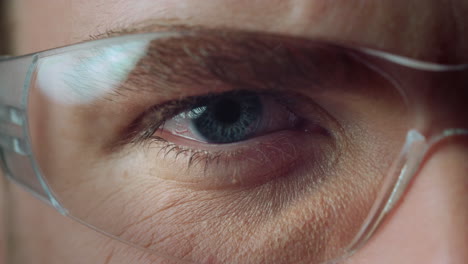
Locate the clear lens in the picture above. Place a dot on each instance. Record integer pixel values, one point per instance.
(226, 147)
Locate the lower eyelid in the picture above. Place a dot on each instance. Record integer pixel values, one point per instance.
(251, 163)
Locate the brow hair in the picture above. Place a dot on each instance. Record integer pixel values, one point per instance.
(239, 60)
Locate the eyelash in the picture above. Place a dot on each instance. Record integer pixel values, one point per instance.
(195, 156)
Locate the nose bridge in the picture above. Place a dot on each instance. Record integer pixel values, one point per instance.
(429, 225)
(438, 195)
(448, 173)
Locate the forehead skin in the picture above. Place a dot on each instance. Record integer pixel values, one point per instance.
(432, 30)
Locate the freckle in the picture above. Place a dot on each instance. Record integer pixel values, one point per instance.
(125, 175)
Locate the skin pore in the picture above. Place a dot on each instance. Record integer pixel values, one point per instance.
(428, 30)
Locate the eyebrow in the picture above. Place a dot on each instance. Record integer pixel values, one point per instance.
(239, 59)
(147, 26)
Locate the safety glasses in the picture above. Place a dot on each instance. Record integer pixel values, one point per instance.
(195, 141)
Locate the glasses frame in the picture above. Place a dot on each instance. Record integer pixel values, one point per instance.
(15, 77)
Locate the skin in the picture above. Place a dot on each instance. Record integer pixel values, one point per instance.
(428, 226)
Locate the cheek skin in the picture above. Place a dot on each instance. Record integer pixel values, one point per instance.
(45, 236)
(394, 243)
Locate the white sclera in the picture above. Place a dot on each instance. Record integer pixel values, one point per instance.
(83, 76)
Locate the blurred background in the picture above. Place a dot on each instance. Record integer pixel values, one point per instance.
(4, 49)
(4, 26)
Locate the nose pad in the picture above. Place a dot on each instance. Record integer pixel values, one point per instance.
(430, 222)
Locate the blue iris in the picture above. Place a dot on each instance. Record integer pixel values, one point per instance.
(227, 118)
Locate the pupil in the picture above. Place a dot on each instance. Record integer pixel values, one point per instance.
(227, 111)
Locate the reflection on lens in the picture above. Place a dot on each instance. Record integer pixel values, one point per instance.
(87, 75)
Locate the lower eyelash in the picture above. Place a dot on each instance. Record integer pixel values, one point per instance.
(195, 156)
(253, 163)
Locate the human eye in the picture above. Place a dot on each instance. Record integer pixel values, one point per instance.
(234, 138)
